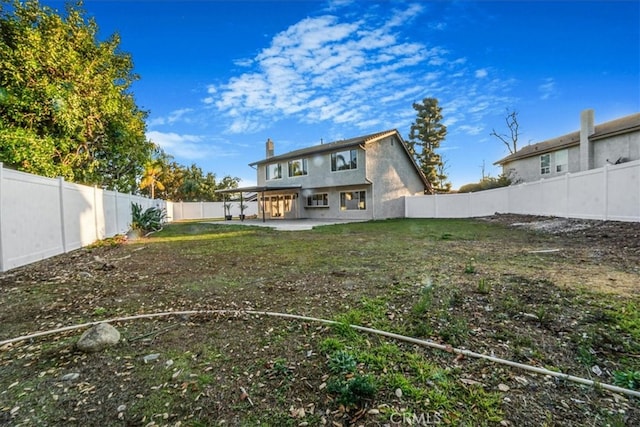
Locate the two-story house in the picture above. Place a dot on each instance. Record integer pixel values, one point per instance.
(359, 178)
(591, 147)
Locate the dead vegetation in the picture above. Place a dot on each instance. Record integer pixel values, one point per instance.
(562, 297)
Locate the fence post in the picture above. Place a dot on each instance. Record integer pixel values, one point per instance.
(435, 205)
(95, 212)
(62, 225)
(1, 204)
(605, 199)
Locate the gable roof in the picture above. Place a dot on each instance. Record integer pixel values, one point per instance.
(348, 143)
(619, 126)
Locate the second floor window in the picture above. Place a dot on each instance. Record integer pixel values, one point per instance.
(344, 160)
(274, 171)
(298, 167)
(562, 161)
(545, 164)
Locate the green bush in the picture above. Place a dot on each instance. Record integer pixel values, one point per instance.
(148, 220)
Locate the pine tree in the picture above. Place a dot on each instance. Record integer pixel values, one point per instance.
(424, 138)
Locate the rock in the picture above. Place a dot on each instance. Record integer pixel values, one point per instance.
(503, 387)
(98, 338)
(70, 377)
(398, 393)
(151, 357)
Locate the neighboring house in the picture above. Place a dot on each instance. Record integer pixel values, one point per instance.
(359, 178)
(591, 147)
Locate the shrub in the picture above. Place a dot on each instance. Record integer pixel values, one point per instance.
(148, 220)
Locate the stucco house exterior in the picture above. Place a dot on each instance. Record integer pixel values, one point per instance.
(591, 147)
(360, 178)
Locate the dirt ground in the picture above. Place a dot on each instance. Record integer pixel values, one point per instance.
(88, 286)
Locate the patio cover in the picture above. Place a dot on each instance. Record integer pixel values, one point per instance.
(258, 189)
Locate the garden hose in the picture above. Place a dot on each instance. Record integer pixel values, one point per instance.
(423, 343)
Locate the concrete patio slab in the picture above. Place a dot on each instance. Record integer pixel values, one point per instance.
(290, 224)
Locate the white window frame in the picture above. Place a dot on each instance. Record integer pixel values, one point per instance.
(318, 200)
(348, 196)
(303, 166)
(561, 158)
(545, 164)
(276, 167)
(350, 164)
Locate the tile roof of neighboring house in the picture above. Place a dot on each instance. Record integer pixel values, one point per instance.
(622, 125)
(346, 143)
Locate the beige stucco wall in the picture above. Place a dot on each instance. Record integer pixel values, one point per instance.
(393, 175)
(384, 171)
(602, 150)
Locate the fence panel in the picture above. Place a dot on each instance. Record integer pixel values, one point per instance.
(612, 192)
(30, 229)
(42, 217)
(623, 192)
(586, 195)
(204, 210)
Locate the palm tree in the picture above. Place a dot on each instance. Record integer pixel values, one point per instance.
(150, 178)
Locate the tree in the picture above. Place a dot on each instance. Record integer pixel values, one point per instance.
(65, 105)
(186, 184)
(486, 183)
(443, 183)
(425, 136)
(510, 139)
(151, 178)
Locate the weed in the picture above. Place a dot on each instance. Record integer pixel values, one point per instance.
(627, 379)
(484, 287)
(585, 356)
(279, 367)
(342, 363)
(353, 392)
(425, 300)
(455, 331)
(331, 345)
(469, 267)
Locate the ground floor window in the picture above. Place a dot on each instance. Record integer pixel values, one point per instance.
(318, 200)
(353, 200)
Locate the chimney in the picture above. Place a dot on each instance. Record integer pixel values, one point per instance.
(587, 128)
(269, 148)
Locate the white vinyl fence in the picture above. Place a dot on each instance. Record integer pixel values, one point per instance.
(42, 217)
(609, 193)
(204, 210)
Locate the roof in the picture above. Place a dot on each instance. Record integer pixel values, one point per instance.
(258, 189)
(619, 126)
(346, 143)
(316, 149)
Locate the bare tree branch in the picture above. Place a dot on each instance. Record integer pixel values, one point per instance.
(511, 140)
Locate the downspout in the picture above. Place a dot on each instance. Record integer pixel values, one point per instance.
(373, 197)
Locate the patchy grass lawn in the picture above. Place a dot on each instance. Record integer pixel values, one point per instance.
(566, 301)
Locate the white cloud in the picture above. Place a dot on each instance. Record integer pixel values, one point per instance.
(547, 89)
(185, 146)
(481, 73)
(173, 117)
(361, 71)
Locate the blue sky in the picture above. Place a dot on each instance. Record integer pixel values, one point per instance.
(220, 77)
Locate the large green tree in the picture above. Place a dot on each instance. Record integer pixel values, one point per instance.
(425, 136)
(65, 103)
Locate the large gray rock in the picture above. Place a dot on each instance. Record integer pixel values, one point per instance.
(98, 338)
